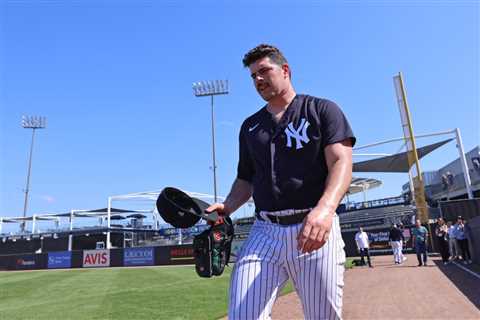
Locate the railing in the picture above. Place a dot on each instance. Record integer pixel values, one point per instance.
(373, 204)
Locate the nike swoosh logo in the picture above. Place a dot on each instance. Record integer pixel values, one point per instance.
(253, 128)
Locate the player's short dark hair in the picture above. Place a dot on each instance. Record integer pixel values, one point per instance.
(262, 51)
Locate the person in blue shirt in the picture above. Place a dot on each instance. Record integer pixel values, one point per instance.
(420, 238)
(460, 232)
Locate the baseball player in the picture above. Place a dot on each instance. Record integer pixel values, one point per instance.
(296, 160)
(396, 239)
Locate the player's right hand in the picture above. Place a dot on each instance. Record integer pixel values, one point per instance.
(220, 209)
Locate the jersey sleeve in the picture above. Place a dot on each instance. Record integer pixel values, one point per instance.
(245, 169)
(335, 126)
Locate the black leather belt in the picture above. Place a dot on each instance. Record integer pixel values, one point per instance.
(284, 220)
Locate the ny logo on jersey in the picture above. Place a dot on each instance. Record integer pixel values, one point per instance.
(291, 132)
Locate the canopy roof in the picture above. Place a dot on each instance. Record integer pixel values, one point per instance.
(395, 163)
(76, 213)
(361, 184)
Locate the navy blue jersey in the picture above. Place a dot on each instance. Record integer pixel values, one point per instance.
(285, 161)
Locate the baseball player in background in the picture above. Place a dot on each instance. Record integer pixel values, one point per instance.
(296, 160)
(396, 239)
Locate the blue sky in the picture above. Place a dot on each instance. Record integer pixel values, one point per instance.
(114, 80)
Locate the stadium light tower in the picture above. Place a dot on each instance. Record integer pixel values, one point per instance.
(31, 123)
(211, 88)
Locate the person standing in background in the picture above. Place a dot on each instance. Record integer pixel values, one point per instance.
(363, 244)
(404, 241)
(461, 237)
(452, 243)
(420, 238)
(441, 234)
(396, 241)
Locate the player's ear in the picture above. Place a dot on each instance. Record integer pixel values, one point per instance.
(286, 71)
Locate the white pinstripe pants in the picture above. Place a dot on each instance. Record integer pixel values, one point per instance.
(397, 247)
(269, 257)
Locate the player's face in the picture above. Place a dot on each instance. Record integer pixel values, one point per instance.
(270, 79)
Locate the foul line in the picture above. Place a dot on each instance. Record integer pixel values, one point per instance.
(466, 269)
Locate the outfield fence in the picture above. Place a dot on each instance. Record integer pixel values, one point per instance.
(123, 257)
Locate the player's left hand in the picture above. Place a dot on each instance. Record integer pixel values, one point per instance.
(315, 230)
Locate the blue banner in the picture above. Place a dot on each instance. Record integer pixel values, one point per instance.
(138, 256)
(62, 259)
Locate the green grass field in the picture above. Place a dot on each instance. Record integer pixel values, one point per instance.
(174, 292)
(114, 293)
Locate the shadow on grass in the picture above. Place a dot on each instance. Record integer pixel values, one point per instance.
(466, 283)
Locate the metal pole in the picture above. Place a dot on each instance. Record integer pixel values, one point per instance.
(463, 161)
(211, 88)
(25, 204)
(213, 155)
(410, 179)
(70, 236)
(109, 212)
(33, 223)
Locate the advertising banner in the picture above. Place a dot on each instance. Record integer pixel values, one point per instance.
(379, 240)
(96, 258)
(181, 255)
(138, 256)
(25, 262)
(62, 259)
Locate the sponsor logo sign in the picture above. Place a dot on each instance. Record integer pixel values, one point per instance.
(61, 259)
(96, 258)
(138, 256)
(25, 262)
(185, 253)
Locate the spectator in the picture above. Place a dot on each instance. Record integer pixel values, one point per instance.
(420, 238)
(396, 241)
(452, 243)
(461, 237)
(441, 234)
(361, 238)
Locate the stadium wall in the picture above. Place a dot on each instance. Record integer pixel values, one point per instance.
(467, 208)
(475, 239)
(123, 257)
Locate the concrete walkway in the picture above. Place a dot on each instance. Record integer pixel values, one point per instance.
(390, 291)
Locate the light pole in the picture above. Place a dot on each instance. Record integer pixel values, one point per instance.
(31, 123)
(211, 88)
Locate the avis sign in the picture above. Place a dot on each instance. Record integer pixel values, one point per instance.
(96, 258)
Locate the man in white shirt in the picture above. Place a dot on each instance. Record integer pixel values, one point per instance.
(361, 238)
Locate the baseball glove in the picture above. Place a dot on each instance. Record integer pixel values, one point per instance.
(211, 248)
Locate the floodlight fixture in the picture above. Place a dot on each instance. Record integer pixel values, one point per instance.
(211, 88)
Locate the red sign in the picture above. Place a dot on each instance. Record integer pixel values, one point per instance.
(181, 252)
(96, 258)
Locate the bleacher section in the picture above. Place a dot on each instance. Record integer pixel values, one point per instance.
(378, 217)
(375, 213)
